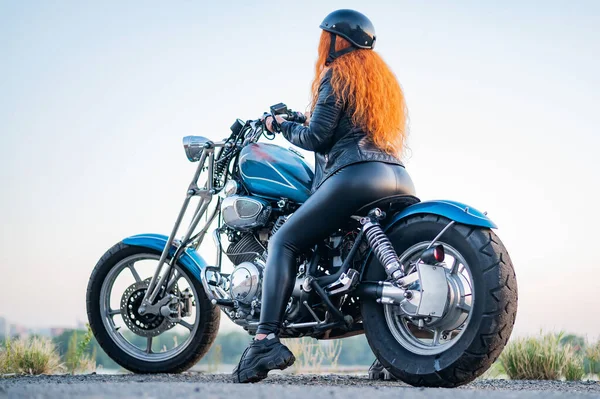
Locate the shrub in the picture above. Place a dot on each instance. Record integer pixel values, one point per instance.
(330, 352)
(76, 360)
(541, 358)
(495, 372)
(29, 356)
(308, 357)
(311, 354)
(573, 370)
(592, 359)
(215, 358)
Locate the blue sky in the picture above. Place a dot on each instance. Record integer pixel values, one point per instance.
(95, 97)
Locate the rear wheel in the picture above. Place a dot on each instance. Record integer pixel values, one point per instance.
(149, 343)
(482, 305)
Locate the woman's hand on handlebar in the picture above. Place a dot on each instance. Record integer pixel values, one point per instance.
(269, 121)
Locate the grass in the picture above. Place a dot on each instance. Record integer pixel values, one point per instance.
(311, 355)
(541, 358)
(573, 371)
(39, 355)
(76, 361)
(29, 356)
(496, 371)
(592, 359)
(216, 358)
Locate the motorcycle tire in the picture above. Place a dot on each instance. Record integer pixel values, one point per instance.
(197, 348)
(493, 310)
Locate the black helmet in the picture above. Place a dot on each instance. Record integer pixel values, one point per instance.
(352, 26)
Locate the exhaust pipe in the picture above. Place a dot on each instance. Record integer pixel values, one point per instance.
(382, 292)
(429, 300)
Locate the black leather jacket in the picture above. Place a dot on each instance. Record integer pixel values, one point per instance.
(335, 140)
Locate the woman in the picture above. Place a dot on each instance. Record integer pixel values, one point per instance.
(357, 131)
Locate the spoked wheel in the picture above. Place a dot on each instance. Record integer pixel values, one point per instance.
(455, 348)
(146, 343)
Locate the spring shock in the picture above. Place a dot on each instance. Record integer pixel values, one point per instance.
(221, 165)
(381, 245)
(278, 223)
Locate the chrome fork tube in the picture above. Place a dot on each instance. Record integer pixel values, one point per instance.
(199, 237)
(206, 195)
(217, 241)
(200, 209)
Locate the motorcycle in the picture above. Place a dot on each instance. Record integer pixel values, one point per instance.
(429, 283)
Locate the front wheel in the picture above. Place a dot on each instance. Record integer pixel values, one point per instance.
(146, 343)
(482, 304)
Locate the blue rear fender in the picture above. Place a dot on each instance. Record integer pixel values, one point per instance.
(190, 259)
(457, 211)
(452, 210)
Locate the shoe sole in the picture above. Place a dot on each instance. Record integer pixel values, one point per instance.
(253, 375)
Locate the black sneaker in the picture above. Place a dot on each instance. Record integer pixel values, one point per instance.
(378, 372)
(260, 358)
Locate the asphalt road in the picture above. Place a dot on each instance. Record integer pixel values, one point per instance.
(218, 386)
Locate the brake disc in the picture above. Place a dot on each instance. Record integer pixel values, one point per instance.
(148, 325)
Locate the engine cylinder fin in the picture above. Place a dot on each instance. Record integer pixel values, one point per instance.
(246, 249)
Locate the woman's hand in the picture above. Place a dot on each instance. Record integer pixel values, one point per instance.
(269, 121)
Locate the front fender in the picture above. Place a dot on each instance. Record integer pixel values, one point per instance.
(452, 210)
(190, 259)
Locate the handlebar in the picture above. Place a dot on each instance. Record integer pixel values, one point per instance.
(287, 114)
(294, 116)
(246, 132)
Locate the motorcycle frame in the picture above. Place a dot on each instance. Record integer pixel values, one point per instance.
(165, 272)
(164, 267)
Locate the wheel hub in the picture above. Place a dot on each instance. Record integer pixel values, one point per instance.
(433, 335)
(458, 300)
(147, 325)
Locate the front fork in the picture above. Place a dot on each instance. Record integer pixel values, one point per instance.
(166, 278)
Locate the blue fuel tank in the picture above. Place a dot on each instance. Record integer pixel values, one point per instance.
(274, 172)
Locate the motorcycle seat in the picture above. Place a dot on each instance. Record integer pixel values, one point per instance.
(390, 205)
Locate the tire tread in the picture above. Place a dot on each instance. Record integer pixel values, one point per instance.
(497, 318)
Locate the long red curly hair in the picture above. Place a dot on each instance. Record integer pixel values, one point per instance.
(364, 81)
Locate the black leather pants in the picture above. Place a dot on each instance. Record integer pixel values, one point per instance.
(323, 213)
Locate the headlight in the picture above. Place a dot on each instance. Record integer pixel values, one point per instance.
(194, 145)
(231, 188)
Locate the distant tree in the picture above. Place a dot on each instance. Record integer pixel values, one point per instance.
(577, 342)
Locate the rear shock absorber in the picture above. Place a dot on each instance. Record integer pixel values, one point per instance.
(381, 245)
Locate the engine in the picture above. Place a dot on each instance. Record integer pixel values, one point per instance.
(249, 222)
(244, 213)
(247, 254)
(245, 282)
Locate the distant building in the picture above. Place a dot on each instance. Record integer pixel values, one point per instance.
(3, 327)
(56, 331)
(18, 330)
(43, 332)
